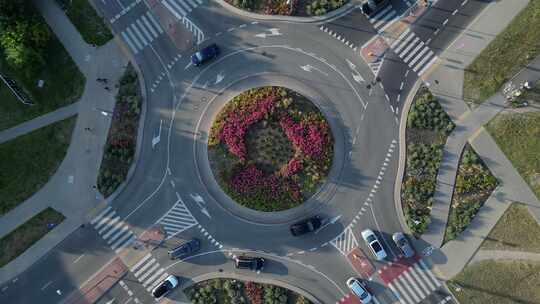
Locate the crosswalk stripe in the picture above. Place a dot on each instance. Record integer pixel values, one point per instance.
(175, 226)
(422, 71)
(381, 13)
(420, 277)
(418, 56)
(132, 36)
(117, 234)
(139, 34)
(179, 212)
(140, 262)
(193, 4)
(199, 1)
(126, 243)
(402, 293)
(418, 291)
(105, 219)
(108, 225)
(143, 269)
(405, 32)
(429, 273)
(100, 215)
(404, 43)
(153, 277)
(175, 9)
(121, 240)
(409, 47)
(184, 5)
(407, 287)
(113, 229)
(148, 272)
(149, 26)
(129, 42)
(156, 282)
(421, 44)
(387, 18)
(397, 294)
(424, 277)
(424, 60)
(144, 30)
(154, 22)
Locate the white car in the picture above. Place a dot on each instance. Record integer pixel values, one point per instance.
(374, 245)
(359, 290)
(165, 287)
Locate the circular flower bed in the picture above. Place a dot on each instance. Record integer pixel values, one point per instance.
(270, 148)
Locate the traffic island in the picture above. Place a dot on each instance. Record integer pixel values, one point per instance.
(270, 149)
(300, 8)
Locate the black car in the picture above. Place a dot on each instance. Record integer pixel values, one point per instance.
(205, 54)
(246, 262)
(185, 249)
(165, 287)
(308, 225)
(371, 7)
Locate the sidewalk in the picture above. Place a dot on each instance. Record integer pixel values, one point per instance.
(70, 190)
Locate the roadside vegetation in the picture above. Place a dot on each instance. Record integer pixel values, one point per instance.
(30, 52)
(501, 282)
(17, 241)
(474, 184)
(518, 136)
(428, 127)
(294, 8)
(229, 291)
(503, 57)
(122, 138)
(28, 161)
(516, 230)
(87, 21)
(270, 148)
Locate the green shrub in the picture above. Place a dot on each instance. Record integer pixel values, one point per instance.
(427, 113)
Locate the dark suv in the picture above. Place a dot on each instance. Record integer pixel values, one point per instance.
(371, 7)
(205, 54)
(185, 249)
(246, 262)
(308, 225)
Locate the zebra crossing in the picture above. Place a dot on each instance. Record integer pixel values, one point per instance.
(384, 18)
(414, 284)
(413, 51)
(149, 272)
(345, 242)
(180, 8)
(113, 230)
(177, 219)
(141, 32)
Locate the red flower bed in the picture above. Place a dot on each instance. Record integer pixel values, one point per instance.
(309, 138)
(237, 123)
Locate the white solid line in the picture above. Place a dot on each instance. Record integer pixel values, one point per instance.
(445, 21)
(77, 259)
(44, 286)
(401, 85)
(464, 2)
(140, 262)
(455, 12)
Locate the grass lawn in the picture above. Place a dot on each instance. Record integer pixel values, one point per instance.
(518, 136)
(64, 84)
(515, 230)
(85, 18)
(30, 160)
(510, 51)
(20, 239)
(500, 282)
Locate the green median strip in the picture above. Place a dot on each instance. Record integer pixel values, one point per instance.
(16, 242)
(509, 52)
(28, 161)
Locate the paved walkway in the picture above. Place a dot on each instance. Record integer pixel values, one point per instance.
(78, 172)
(482, 255)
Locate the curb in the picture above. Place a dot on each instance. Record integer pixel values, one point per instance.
(402, 156)
(140, 130)
(236, 276)
(281, 18)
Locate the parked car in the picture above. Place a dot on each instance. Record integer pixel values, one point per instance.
(165, 287)
(205, 54)
(358, 288)
(403, 244)
(246, 262)
(374, 245)
(185, 249)
(307, 225)
(372, 7)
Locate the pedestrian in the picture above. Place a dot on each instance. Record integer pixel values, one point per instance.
(436, 81)
(107, 88)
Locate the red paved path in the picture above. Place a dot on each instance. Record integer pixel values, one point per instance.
(360, 263)
(395, 269)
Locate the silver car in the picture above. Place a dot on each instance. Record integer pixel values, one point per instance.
(403, 244)
(359, 289)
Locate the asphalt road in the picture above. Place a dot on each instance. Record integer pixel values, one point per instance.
(172, 186)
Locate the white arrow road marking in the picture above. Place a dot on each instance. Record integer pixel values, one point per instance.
(358, 78)
(351, 65)
(200, 201)
(157, 138)
(356, 75)
(309, 68)
(219, 77)
(273, 32)
(331, 221)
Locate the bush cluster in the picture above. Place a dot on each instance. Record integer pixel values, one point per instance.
(321, 7)
(474, 184)
(427, 113)
(122, 138)
(242, 175)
